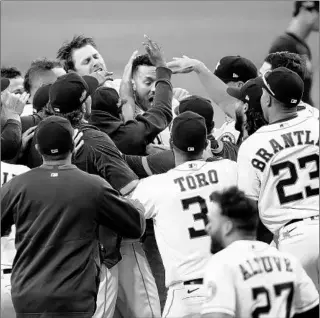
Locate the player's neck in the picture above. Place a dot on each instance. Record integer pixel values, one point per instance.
(237, 236)
(282, 115)
(179, 160)
(299, 29)
(63, 162)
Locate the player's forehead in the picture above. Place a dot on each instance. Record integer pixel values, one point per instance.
(264, 68)
(146, 72)
(83, 53)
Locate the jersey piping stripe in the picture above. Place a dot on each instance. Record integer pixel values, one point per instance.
(170, 304)
(144, 284)
(146, 167)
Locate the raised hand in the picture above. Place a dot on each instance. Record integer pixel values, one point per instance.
(155, 52)
(182, 64)
(14, 103)
(102, 76)
(25, 139)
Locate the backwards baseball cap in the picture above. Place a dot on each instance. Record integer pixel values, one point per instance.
(106, 99)
(70, 91)
(54, 136)
(249, 93)
(41, 97)
(189, 132)
(198, 105)
(235, 69)
(5, 82)
(283, 84)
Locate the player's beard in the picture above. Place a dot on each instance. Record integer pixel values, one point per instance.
(216, 244)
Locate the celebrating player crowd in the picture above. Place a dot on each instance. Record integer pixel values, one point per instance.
(120, 198)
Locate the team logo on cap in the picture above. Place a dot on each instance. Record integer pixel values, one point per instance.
(190, 149)
(293, 101)
(54, 150)
(247, 97)
(234, 75)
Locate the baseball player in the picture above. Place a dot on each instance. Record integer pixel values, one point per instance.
(248, 278)
(8, 251)
(305, 20)
(278, 166)
(295, 63)
(178, 201)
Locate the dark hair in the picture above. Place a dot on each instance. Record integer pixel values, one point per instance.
(38, 66)
(292, 61)
(255, 119)
(236, 206)
(300, 4)
(74, 117)
(64, 54)
(141, 60)
(10, 72)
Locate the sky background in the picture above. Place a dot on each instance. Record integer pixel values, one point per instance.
(206, 30)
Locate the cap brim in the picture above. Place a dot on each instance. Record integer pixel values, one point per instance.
(92, 83)
(5, 82)
(234, 92)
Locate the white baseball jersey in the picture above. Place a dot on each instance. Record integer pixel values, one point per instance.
(278, 166)
(8, 171)
(306, 110)
(227, 132)
(253, 279)
(178, 201)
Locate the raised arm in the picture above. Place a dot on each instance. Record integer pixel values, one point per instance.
(216, 89)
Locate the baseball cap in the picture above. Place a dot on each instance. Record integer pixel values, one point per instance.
(54, 135)
(5, 82)
(189, 132)
(249, 93)
(283, 84)
(41, 97)
(235, 69)
(198, 105)
(106, 99)
(70, 91)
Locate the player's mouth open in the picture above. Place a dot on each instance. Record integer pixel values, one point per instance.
(151, 99)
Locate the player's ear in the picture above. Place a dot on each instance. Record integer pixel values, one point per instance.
(227, 227)
(239, 84)
(133, 85)
(37, 147)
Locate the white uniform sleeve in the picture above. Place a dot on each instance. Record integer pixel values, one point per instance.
(248, 179)
(306, 295)
(219, 283)
(145, 194)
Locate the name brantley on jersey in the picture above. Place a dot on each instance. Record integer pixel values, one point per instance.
(290, 139)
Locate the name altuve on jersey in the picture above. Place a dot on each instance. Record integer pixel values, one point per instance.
(264, 264)
(290, 139)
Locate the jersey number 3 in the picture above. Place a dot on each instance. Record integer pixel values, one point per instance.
(201, 215)
(293, 179)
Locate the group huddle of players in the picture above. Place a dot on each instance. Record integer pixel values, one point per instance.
(234, 210)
